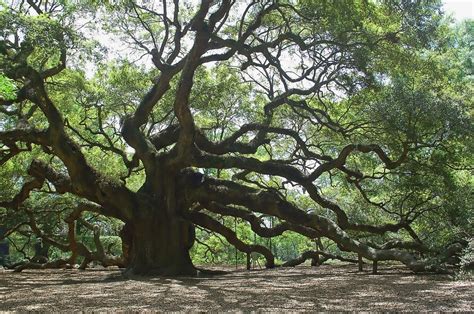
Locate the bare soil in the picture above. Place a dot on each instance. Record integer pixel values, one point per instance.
(336, 288)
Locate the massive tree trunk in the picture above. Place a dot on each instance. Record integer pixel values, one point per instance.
(158, 246)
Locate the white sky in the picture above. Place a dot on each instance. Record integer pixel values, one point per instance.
(460, 9)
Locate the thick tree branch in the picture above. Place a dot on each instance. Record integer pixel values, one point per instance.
(270, 204)
(207, 222)
(315, 255)
(256, 222)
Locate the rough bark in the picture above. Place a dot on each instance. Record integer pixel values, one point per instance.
(157, 246)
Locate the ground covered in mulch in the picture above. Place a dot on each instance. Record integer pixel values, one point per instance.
(303, 288)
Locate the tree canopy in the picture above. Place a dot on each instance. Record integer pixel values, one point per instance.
(169, 123)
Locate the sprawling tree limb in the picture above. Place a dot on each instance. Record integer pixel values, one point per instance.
(60, 263)
(256, 222)
(293, 174)
(72, 245)
(208, 222)
(315, 255)
(25, 135)
(271, 204)
(87, 182)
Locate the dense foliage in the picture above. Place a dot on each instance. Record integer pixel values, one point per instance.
(135, 132)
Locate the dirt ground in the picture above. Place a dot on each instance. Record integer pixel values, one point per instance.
(338, 288)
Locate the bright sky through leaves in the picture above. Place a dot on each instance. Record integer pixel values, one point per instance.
(460, 9)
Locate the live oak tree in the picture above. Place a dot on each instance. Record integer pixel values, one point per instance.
(341, 120)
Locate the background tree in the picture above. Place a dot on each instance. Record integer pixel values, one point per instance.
(340, 121)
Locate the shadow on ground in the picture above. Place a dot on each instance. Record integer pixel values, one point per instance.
(339, 288)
